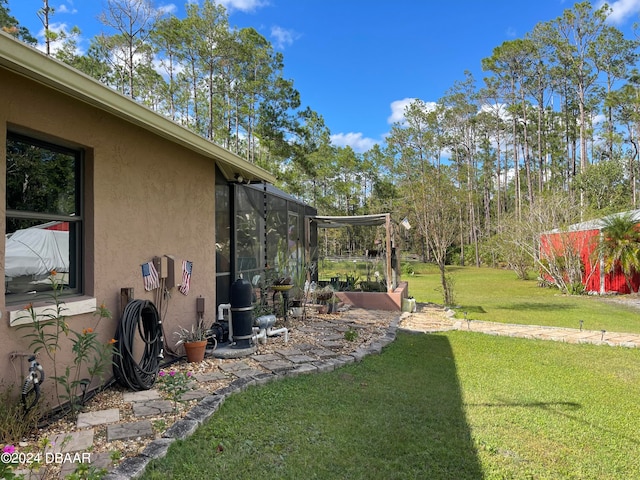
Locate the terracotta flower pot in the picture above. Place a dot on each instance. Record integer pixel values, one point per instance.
(195, 351)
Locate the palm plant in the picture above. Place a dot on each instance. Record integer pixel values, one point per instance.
(620, 246)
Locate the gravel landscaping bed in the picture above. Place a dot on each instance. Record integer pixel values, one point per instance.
(318, 336)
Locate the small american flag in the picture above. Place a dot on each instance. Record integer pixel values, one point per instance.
(187, 267)
(150, 276)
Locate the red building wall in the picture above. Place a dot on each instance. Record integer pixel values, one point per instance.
(585, 242)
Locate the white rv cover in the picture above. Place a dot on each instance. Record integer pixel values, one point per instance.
(36, 251)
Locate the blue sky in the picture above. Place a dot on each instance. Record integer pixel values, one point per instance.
(358, 62)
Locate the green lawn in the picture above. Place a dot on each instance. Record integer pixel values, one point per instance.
(497, 296)
(457, 405)
(460, 405)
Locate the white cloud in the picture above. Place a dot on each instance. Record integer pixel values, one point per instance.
(168, 9)
(161, 65)
(622, 10)
(282, 37)
(398, 108)
(354, 140)
(500, 109)
(243, 5)
(62, 8)
(55, 45)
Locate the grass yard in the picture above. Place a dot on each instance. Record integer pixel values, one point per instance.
(497, 296)
(460, 405)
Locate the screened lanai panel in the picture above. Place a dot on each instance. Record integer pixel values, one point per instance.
(249, 232)
(268, 249)
(276, 228)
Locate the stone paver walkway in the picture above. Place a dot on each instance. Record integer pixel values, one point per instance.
(423, 322)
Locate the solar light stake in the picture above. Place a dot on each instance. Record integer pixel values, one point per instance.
(602, 336)
(468, 321)
(581, 322)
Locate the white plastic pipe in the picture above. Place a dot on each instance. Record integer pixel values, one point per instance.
(259, 335)
(271, 332)
(265, 329)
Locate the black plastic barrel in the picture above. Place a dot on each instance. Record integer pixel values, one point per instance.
(241, 313)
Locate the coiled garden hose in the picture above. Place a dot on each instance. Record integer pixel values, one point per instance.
(141, 316)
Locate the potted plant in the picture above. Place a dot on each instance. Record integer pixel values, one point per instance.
(194, 341)
(297, 301)
(323, 297)
(333, 304)
(303, 289)
(282, 283)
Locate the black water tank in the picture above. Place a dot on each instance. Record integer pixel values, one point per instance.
(241, 313)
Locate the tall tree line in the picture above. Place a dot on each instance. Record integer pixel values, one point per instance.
(225, 84)
(558, 114)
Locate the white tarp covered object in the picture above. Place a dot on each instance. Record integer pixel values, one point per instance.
(36, 252)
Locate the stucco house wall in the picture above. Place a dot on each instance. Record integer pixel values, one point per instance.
(148, 190)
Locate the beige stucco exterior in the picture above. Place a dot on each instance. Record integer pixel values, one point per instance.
(149, 190)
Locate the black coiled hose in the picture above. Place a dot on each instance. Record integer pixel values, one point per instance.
(140, 315)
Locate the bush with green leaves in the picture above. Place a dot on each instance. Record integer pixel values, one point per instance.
(7, 465)
(46, 332)
(174, 385)
(407, 269)
(350, 335)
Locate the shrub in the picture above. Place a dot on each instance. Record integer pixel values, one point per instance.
(350, 335)
(45, 333)
(407, 268)
(174, 385)
(15, 423)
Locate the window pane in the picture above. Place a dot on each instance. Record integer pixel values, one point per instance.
(44, 221)
(40, 178)
(33, 252)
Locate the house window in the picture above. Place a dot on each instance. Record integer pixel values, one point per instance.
(43, 218)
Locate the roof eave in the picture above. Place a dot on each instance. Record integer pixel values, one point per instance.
(35, 65)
